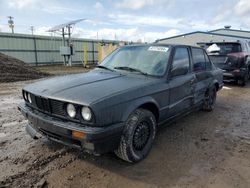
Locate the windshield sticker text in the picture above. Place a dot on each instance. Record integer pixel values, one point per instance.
(158, 49)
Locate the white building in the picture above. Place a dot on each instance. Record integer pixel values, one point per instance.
(224, 34)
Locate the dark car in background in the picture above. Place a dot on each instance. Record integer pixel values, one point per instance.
(119, 105)
(232, 57)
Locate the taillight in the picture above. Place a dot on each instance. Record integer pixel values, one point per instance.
(237, 54)
(237, 59)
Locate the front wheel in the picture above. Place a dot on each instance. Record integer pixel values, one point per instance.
(210, 99)
(138, 136)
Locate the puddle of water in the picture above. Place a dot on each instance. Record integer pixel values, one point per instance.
(13, 123)
(225, 87)
(9, 124)
(246, 141)
(2, 135)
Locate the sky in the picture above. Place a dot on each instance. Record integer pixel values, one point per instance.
(130, 20)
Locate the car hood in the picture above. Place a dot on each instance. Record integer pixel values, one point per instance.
(87, 88)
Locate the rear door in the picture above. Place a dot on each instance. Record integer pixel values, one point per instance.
(181, 82)
(202, 68)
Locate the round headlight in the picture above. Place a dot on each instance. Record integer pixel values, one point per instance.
(86, 113)
(71, 110)
(29, 98)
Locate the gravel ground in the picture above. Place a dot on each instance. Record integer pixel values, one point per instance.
(203, 149)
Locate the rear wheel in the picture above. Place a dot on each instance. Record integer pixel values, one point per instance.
(210, 99)
(138, 136)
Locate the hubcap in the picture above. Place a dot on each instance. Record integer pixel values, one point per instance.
(141, 136)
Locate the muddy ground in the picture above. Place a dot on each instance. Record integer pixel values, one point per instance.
(200, 150)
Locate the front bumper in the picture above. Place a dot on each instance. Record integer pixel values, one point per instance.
(97, 140)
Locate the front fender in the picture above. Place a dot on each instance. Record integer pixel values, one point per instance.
(133, 105)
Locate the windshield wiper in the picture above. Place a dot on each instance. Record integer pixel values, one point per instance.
(131, 69)
(104, 67)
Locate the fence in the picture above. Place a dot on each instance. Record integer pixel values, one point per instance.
(37, 50)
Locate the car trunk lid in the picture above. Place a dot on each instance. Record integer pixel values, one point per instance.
(226, 62)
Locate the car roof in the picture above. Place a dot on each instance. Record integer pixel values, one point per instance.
(163, 44)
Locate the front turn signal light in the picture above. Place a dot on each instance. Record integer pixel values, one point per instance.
(78, 134)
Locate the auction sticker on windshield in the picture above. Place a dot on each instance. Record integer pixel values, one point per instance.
(158, 48)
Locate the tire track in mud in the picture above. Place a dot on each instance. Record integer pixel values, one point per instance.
(35, 172)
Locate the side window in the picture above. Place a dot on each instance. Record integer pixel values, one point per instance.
(181, 62)
(208, 63)
(199, 63)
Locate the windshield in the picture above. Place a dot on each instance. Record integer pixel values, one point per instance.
(223, 48)
(148, 60)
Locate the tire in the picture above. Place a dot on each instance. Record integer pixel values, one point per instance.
(138, 136)
(210, 99)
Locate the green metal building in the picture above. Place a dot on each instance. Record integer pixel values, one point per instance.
(37, 50)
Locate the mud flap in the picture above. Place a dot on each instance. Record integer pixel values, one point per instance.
(32, 132)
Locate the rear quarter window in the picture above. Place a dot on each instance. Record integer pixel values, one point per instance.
(199, 62)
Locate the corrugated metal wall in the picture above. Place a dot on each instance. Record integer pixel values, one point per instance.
(35, 49)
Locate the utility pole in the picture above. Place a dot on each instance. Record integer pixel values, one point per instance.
(69, 43)
(32, 29)
(11, 23)
(63, 35)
